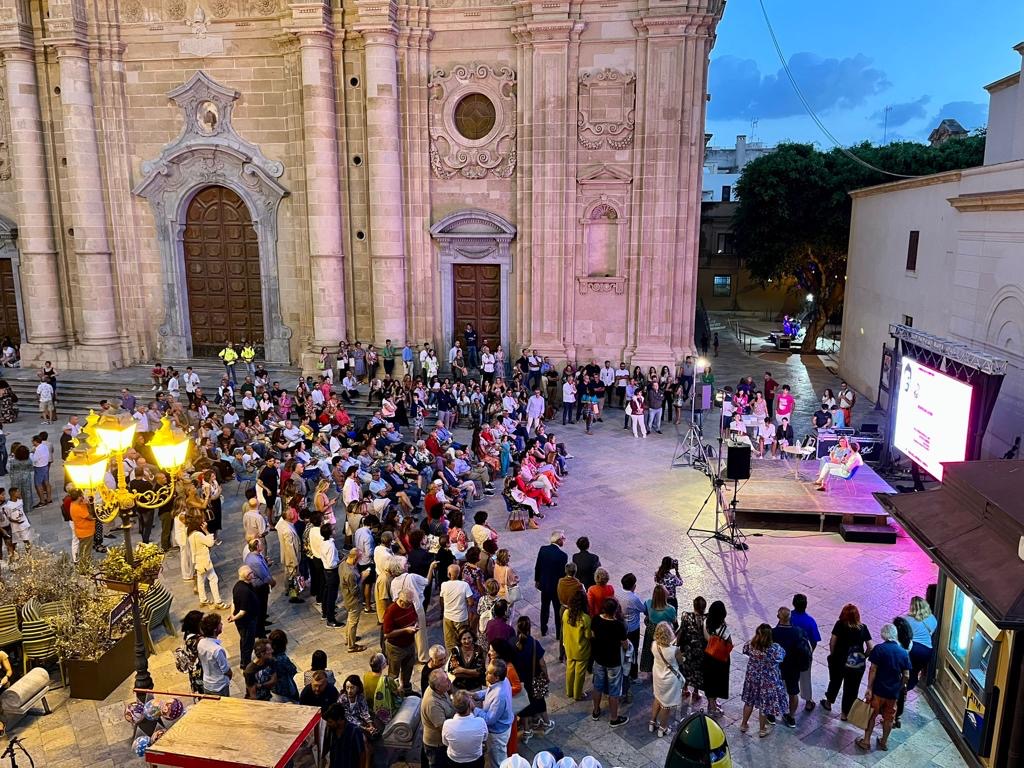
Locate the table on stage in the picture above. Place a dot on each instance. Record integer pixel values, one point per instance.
(800, 453)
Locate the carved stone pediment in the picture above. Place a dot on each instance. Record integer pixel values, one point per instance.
(473, 122)
(607, 103)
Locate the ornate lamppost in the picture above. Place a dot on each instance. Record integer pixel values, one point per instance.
(107, 438)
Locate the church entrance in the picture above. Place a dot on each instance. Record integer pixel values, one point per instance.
(8, 303)
(477, 297)
(222, 271)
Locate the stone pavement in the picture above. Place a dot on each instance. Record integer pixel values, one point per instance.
(635, 509)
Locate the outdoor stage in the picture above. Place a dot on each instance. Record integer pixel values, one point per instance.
(773, 490)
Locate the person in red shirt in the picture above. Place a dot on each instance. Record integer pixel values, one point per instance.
(600, 592)
(770, 385)
(400, 628)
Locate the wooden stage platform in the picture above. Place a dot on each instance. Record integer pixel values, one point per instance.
(774, 490)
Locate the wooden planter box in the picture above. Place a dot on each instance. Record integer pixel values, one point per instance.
(95, 680)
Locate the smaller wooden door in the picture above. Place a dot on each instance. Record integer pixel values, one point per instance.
(8, 304)
(477, 292)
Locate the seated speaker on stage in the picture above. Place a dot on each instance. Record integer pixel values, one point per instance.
(737, 426)
(783, 435)
(842, 461)
(765, 436)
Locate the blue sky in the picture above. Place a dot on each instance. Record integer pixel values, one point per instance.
(925, 60)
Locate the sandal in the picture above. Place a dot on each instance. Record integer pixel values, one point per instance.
(651, 725)
(862, 744)
(764, 732)
(744, 727)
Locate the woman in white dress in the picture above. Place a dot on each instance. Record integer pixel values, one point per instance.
(667, 679)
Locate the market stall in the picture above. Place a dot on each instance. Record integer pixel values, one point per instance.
(241, 733)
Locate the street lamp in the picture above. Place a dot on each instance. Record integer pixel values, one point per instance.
(107, 438)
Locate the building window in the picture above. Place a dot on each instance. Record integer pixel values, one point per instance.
(726, 193)
(960, 627)
(726, 242)
(912, 250)
(908, 321)
(475, 116)
(722, 285)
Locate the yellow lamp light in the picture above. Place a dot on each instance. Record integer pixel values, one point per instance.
(87, 469)
(116, 431)
(169, 446)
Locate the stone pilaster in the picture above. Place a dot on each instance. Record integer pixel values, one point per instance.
(311, 23)
(384, 169)
(40, 274)
(95, 292)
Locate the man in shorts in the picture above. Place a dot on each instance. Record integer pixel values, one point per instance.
(798, 658)
(888, 676)
(608, 642)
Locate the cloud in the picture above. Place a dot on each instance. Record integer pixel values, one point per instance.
(739, 90)
(903, 113)
(970, 114)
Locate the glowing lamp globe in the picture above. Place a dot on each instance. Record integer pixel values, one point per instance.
(169, 446)
(86, 468)
(116, 431)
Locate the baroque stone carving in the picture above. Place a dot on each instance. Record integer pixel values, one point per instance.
(200, 44)
(220, 8)
(454, 150)
(266, 7)
(615, 285)
(208, 151)
(176, 10)
(131, 11)
(607, 105)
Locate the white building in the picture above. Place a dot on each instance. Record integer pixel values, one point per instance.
(945, 253)
(722, 167)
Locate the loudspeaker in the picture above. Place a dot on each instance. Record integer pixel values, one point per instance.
(737, 461)
(705, 397)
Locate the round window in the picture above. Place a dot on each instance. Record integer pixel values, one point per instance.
(474, 116)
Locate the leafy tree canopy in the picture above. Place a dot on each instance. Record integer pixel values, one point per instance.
(793, 218)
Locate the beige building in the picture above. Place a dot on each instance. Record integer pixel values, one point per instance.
(177, 172)
(943, 253)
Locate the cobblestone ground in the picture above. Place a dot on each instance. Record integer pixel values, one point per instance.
(635, 509)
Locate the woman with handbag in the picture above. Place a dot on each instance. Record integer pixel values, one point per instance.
(666, 677)
(529, 662)
(658, 610)
(691, 644)
(716, 659)
(848, 649)
(763, 688)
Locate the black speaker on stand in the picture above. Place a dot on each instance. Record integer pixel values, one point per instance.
(737, 461)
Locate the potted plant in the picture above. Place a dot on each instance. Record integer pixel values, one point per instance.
(95, 642)
(120, 575)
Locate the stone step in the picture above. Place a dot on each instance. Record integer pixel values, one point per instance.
(868, 533)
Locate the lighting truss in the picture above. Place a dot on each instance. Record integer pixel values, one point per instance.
(953, 351)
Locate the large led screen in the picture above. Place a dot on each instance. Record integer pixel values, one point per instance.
(932, 415)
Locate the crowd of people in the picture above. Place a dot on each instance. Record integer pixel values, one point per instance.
(375, 516)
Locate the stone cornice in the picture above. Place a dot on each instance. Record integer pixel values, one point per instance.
(897, 186)
(548, 31)
(376, 16)
(702, 24)
(15, 26)
(310, 18)
(975, 202)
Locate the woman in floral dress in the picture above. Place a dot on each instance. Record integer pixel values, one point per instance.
(763, 688)
(668, 576)
(357, 714)
(691, 644)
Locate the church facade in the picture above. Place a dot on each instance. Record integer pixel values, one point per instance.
(174, 173)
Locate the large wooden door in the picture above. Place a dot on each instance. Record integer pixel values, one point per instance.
(477, 293)
(8, 304)
(222, 268)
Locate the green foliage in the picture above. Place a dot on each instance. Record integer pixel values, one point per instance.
(39, 573)
(793, 217)
(84, 631)
(148, 561)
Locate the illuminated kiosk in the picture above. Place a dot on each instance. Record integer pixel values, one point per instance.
(973, 528)
(232, 733)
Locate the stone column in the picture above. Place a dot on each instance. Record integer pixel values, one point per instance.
(40, 276)
(384, 171)
(95, 285)
(323, 187)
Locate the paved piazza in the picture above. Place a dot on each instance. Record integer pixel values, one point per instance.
(635, 509)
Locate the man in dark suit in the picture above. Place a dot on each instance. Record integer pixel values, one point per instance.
(549, 569)
(586, 562)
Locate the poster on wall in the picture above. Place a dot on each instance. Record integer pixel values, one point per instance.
(933, 412)
(885, 381)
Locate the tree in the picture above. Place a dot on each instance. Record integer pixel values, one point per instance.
(793, 217)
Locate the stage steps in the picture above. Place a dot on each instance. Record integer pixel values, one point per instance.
(867, 533)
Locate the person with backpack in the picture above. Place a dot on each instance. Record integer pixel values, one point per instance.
(797, 660)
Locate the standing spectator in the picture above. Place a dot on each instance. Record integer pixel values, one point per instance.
(467, 662)
(262, 581)
(45, 393)
(668, 576)
(435, 710)
(608, 643)
(318, 663)
(586, 562)
(599, 592)
(200, 540)
(621, 379)
(41, 460)
(691, 643)
(568, 585)
(285, 690)
(848, 648)
(657, 610)
(636, 409)
(905, 637)
(846, 400)
(576, 639)
(549, 568)
(245, 614)
(798, 659)
(784, 405)
(470, 337)
(213, 658)
(534, 410)
(770, 385)
(666, 677)
(291, 552)
(186, 658)
(568, 402)
(634, 611)
(923, 624)
(803, 620)
(350, 584)
(763, 688)
(890, 672)
(533, 672)
(465, 734)
(330, 561)
(716, 670)
(84, 523)
(496, 710)
(400, 627)
(714, 343)
(457, 601)
(655, 407)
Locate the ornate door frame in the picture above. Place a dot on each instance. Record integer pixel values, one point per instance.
(9, 250)
(473, 236)
(208, 152)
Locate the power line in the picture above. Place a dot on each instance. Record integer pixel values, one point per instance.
(810, 109)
